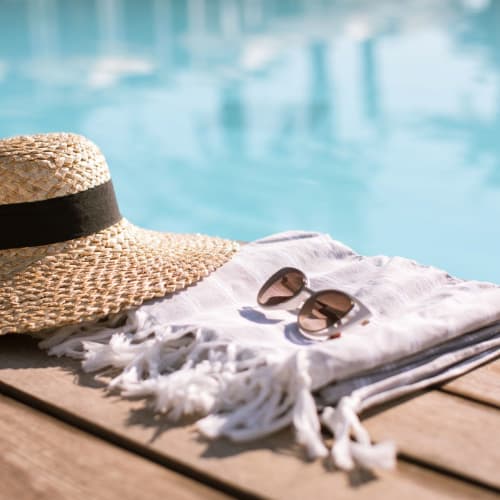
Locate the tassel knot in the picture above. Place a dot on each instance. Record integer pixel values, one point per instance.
(347, 453)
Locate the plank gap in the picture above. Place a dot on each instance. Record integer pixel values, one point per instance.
(443, 428)
(467, 397)
(269, 467)
(122, 442)
(446, 472)
(44, 458)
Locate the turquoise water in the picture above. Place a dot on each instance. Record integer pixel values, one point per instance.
(377, 122)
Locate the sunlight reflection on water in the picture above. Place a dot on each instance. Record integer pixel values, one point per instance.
(377, 122)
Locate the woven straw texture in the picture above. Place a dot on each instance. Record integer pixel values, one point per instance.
(39, 167)
(86, 278)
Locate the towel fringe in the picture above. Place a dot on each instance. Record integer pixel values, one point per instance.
(243, 393)
(343, 421)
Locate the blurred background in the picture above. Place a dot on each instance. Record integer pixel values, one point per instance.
(375, 121)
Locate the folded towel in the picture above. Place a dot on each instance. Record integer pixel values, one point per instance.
(210, 350)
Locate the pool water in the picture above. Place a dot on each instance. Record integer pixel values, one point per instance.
(377, 122)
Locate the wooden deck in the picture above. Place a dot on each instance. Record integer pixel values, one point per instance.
(62, 437)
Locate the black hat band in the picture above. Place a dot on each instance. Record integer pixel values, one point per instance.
(59, 219)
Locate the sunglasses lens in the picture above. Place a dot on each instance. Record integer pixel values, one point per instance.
(323, 310)
(281, 287)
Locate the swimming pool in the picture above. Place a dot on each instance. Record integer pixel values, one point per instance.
(377, 122)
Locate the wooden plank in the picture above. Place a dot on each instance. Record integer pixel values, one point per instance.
(482, 384)
(450, 432)
(268, 468)
(43, 458)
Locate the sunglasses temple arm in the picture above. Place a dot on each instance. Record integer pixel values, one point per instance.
(363, 311)
(360, 314)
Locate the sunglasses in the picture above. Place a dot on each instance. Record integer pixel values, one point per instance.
(321, 314)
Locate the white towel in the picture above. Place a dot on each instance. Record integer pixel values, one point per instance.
(210, 350)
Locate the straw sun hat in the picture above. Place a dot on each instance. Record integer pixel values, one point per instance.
(66, 254)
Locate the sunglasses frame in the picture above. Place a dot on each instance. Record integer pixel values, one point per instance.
(305, 294)
(295, 300)
(358, 313)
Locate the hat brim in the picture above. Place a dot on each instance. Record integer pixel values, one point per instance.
(91, 277)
